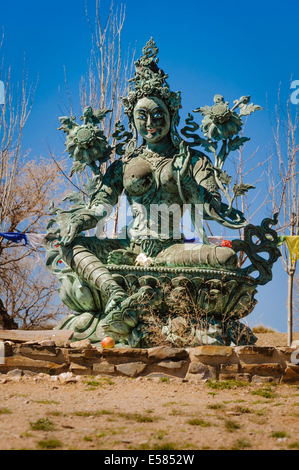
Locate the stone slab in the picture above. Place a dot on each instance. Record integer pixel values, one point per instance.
(215, 351)
(261, 379)
(104, 368)
(16, 362)
(131, 369)
(162, 352)
(199, 372)
(263, 369)
(172, 365)
(254, 350)
(291, 374)
(229, 368)
(35, 335)
(35, 350)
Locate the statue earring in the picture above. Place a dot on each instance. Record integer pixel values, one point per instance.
(132, 144)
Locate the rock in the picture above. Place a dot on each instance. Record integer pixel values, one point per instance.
(132, 369)
(84, 344)
(172, 365)
(104, 368)
(47, 342)
(60, 343)
(163, 352)
(36, 365)
(29, 373)
(79, 369)
(66, 378)
(243, 377)
(254, 350)
(32, 350)
(156, 376)
(200, 372)
(260, 379)
(229, 368)
(295, 344)
(263, 369)
(123, 352)
(15, 373)
(213, 351)
(291, 374)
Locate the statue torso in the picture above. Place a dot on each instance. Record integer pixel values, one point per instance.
(146, 170)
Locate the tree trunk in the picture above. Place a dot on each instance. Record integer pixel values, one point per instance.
(6, 322)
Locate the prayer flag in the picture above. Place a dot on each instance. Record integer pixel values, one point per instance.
(293, 246)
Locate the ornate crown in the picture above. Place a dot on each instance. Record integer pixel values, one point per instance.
(149, 80)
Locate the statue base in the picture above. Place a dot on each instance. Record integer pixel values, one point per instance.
(182, 306)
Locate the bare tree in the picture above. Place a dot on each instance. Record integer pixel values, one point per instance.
(106, 80)
(26, 187)
(283, 188)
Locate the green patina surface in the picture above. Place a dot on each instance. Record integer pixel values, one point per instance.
(147, 283)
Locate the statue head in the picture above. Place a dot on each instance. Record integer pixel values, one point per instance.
(149, 84)
(152, 119)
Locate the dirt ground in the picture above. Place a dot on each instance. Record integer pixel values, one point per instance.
(138, 414)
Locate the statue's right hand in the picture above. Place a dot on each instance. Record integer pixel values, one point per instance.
(72, 231)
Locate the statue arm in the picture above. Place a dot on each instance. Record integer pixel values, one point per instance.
(101, 204)
(200, 186)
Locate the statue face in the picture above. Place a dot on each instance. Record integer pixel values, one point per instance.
(152, 119)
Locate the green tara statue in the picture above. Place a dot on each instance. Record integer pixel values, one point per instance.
(113, 284)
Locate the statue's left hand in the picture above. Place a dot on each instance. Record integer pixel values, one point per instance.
(181, 162)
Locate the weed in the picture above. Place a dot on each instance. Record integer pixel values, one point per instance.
(262, 329)
(279, 434)
(294, 445)
(243, 410)
(241, 444)
(49, 444)
(55, 413)
(231, 425)
(92, 383)
(160, 434)
(226, 384)
(164, 379)
(261, 412)
(217, 406)
(42, 424)
(198, 422)
(5, 411)
(87, 414)
(47, 402)
(166, 446)
(87, 439)
(176, 412)
(265, 393)
(137, 417)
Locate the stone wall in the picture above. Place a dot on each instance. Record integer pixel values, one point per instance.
(244, 363)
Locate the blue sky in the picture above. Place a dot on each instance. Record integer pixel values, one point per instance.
(231, 48)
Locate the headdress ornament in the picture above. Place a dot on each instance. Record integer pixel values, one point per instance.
(149, 80)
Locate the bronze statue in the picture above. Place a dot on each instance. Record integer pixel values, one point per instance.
(161, 178)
